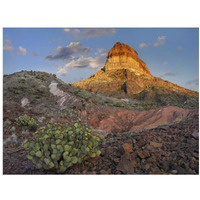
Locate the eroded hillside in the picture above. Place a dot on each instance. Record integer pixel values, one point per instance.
(47, 99)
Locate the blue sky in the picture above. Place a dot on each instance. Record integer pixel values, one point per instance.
(75, 54)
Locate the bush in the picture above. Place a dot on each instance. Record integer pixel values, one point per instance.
(58, 147)
(7, 123)
(25, 120)
(118, 104)
(63, 115)
(106, 101)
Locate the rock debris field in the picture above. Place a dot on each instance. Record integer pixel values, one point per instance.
(172, 149)
(164, 150)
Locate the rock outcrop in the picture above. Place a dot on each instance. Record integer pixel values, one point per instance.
(122, 56)
(124, 73)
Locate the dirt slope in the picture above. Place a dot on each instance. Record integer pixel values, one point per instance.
(121, 120)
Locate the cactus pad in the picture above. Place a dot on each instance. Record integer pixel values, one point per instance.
(60, 146)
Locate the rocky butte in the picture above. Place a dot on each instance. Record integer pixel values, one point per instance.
(122, 56)
(125, 75)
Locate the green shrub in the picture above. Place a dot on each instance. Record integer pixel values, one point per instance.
(50, 115)
(25, 120)
(13, 90)
(7, 123)
(22, 80)
(63, 115)
(106, 101)
(76, 92)
(58, 147)
(118, 104)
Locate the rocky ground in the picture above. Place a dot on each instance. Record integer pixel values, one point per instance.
(163, 150)
(172, 149)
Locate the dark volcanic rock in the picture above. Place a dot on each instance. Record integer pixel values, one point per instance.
(128, 148)
(173, 157)
(125, 165)
(195, 135)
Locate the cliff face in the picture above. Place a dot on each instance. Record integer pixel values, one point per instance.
(125, 75)
(122, 56)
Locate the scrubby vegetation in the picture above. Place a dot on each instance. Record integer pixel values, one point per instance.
(59, 146)
(25, 120)
(118, 104)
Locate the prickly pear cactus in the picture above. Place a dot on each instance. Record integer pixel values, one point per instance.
(59, 146)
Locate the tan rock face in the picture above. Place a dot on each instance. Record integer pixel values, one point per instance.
(122, 56)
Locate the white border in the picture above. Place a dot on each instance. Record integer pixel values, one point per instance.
(104, 13)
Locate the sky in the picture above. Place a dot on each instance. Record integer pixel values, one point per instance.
(74, 54)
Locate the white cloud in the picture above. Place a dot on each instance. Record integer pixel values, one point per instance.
(75, 31)
(22, 51)
(90, 32)
(72, 30)
(67, 52)
(102, 52)
(194, 81)
(62, 70)
(168, 74)
(82, 62)
(142, 45)
(8, 46)
(98, 32)
(8, 41)
(160, 41)
(67, 30)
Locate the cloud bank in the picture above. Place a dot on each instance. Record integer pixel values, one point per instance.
(194, 81)
(84, 62)
(67, 52)
(143, 45)
(90, 32)
(168, 74)
(160, 41)
(98, 32)
(8, 46)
